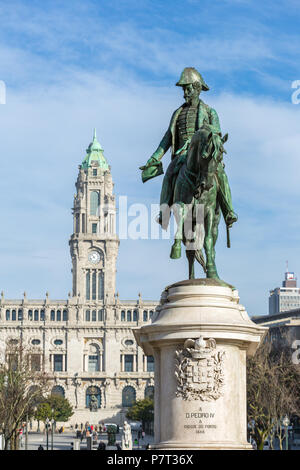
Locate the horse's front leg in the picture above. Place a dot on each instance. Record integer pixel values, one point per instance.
(209, 246)
(178, 211)
(190, 254)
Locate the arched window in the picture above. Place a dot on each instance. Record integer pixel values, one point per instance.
(128, 396)
(7, 315)
(94, 285)
(151, 313)
(36, 315)
(29, 314)
(94, 203)
(128, 315)
(20, 314)
(65, 315)
(52, 315)
(58, 315)
(94, 358)
(13, 315)
(122, 315)
(149, 392)
(93, 398)
(145, 315)
(94, 315)
(135, 315)
(87, 315)
(58, 391)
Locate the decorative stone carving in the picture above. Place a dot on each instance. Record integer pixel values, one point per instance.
(199, 370)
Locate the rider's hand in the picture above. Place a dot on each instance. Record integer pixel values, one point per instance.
(150, 162)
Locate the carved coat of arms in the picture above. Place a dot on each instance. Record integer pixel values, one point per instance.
(199, 370)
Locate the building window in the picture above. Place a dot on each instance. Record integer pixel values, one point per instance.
(150, 364)
(149, 392)
(58, 315)
(36, 315)
(94, 363)
(123, 315)
(35, 342)
(13, 315)
(145, 315)
(58, 342)
(58, 362)
(87, 315)
(94, 171)
(151, 313)
(87, 280)
(94, 285)
(77, 223)
(35, 362)
(93, 397)
(52, 315)
(65, 315)
(94, 203)
(42, 315)
(101, 285)
(135, 315)
(94, 228)
(20, 314)
(7, 315)
(83, 223)
(128, 396)
(58, 391)
(100, 315)
(128, 315)
(128, 363)
(94, 315)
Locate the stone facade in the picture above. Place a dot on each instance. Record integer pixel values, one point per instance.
(86, 342)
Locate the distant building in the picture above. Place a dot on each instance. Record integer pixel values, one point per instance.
(286, 297)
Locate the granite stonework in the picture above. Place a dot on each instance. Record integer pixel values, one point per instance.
(200, 336)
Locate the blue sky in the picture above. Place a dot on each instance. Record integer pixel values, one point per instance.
(72, 66)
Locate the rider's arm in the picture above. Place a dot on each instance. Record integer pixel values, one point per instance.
(165, 143)
(163, 147)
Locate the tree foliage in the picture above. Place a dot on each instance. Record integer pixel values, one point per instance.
(142, 411)
(273, 384)
(54, 407)
(21, 388)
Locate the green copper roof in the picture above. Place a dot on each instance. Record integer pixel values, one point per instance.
(95, 153)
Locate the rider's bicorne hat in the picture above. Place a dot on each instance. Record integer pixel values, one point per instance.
(191, 75)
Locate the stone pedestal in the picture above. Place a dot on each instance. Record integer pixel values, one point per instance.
(200, 337)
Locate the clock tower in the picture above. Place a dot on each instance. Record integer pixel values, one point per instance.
(94, 243)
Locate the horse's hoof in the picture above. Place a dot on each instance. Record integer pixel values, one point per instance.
(212, 273)
(175, 252)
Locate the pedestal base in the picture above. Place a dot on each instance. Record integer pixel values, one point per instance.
(199, 337)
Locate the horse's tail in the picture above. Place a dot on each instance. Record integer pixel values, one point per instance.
(200, 258)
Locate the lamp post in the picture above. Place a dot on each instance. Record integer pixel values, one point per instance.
(52, 427)
(47, 441)
(26, 432)
(286, 423)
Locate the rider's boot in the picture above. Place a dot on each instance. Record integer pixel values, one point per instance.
(176, 250)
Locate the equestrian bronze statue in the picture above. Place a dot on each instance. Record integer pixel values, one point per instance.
(195, 186)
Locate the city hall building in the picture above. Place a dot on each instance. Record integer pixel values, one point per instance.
(85, 343)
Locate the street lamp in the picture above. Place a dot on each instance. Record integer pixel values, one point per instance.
(52, 427)
(286, 423)
(47, 424)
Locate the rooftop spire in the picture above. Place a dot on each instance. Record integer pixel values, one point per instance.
(95, 154)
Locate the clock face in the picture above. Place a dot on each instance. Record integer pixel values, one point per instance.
(94, 257)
